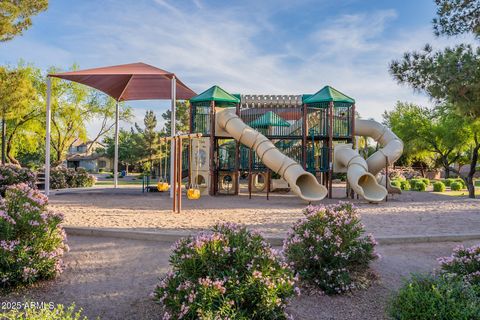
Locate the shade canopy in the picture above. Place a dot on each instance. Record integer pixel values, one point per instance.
(215, 93)
(134, 81)
(269, 119)
(328, 94)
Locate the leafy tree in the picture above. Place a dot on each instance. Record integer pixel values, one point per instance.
(16, 16)
(439, 134)
(451, 76)
(31, 152)
(105, 112)
(72, 104)
(22, 106)
(129, 151)
(148, 137)
(16, 97)
(456, 17)
(182, 116)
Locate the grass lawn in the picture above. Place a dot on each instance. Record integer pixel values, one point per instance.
(120, 182)
(458, 193)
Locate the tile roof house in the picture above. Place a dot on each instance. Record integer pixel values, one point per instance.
(85, 155)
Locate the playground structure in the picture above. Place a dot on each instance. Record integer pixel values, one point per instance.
(299, 140)
(289, 141)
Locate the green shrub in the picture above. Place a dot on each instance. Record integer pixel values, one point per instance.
(59, 312)
(425, 297)
(420, 186)
(396, 183)
(456, 186)
(229, 273)
(328, 249)
(11, 174)
(340, 176)
(61, 177)
(438, 186)
(412, 183)
(405, 185)
(463, 263)
(449, 181)
(462, 182)
(32, 242)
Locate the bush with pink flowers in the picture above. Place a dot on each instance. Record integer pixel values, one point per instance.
(463, 263)
(61, 178)
(32, 242)
(328, 248)
(229, 273)
(11, 174)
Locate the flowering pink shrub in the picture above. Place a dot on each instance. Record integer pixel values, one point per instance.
(32, 242)
(61, 178)
(11, 174)
(327, 248)
(229, 273)
(463, 263)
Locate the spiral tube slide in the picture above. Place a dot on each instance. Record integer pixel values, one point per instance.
(392, 149)
(361, 181)
(302, 183)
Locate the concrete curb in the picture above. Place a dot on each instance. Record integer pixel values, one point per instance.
(173, 236)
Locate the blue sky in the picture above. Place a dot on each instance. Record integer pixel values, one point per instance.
(250, 46)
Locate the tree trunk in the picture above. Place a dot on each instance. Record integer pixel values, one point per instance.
(12, 159)
(126, 168)
(473, 166)
(58, 162)
(471, 173)
(4, 136)
(447, 171)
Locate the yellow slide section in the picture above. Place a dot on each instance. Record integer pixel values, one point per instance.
(302, 183)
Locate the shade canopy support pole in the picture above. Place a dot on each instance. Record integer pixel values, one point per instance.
(47, 137)
(173, 132)
(115, 159)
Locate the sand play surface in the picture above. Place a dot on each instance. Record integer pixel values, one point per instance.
(412, 213)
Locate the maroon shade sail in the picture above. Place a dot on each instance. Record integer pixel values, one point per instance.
(134, 81)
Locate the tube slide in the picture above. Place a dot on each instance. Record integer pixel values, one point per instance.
(392, 148)
(362, 182)
(302, 183)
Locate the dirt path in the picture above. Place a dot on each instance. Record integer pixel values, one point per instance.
(112, 278)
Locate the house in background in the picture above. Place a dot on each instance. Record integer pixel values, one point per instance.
(84, 155)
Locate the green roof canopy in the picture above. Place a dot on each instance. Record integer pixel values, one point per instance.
(269, 119)
(215, 93)
(328, 94)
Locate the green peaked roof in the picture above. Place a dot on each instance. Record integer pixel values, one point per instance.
(269, 119)
(328, 94)
(215, 93)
